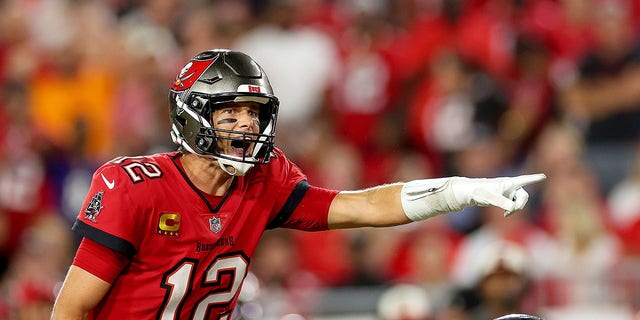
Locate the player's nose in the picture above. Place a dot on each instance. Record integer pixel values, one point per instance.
(245, 119)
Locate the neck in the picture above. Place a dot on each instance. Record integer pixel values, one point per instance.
(206, 174)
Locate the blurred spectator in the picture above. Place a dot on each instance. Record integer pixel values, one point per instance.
(564, 27)
(531, 99)
(604, 100)
(25, 193)
(139, 120)
(150, 58)
(371, 256)
(404, 302)
(422, 29)
(424, 257)
(283, 286)
(72, 92)
(212, 24)
(486, 33)
(559, 148)
(501, 286)
(330, 163)
(453, 105)
(587, 251)
(147, 28)
(300, 61)
(360, 92)
(516, 229)
(624, 201)
(35, 273)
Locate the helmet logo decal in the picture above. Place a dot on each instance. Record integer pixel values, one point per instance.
(190, 73)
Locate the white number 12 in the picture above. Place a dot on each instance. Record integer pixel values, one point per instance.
(178, 283)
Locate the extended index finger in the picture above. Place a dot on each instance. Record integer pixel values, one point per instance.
(521, 181)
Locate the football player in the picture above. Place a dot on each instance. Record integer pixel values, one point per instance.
(171, 235)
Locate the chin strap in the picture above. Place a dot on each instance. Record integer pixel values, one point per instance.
(234, 168)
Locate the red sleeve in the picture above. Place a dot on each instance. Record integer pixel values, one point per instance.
(298, 204)
(99, 260)
(312, 211)
(108, 215)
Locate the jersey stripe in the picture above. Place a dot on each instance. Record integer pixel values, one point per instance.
(105, 239)
(290, 205)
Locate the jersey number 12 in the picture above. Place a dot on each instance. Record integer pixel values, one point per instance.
(179, 281)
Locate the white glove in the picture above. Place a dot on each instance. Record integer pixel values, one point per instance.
(422, 199)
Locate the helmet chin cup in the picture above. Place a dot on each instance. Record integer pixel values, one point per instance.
(234, 168)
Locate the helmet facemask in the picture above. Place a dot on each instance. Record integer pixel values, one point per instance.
(206, 139)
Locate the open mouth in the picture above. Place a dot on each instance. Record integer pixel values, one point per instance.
(240, 147)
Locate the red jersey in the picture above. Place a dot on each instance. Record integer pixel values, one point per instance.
(189, 253)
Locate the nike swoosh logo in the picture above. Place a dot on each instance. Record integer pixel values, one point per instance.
(110, 184)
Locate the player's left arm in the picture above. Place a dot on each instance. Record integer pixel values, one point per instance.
(401, 203)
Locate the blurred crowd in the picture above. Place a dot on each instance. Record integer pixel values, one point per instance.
(371, 91)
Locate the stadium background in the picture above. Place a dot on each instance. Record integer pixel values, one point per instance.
(371, 92)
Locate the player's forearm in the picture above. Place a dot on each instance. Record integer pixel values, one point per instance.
(80, 293)
(63, 310)
(375, 207)
(418, 200)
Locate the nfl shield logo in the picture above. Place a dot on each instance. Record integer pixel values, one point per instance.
(215, 224)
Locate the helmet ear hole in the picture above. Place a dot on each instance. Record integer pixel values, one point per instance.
(200, 104)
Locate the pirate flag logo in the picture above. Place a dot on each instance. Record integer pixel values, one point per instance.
(94, 207)
(190, 73)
